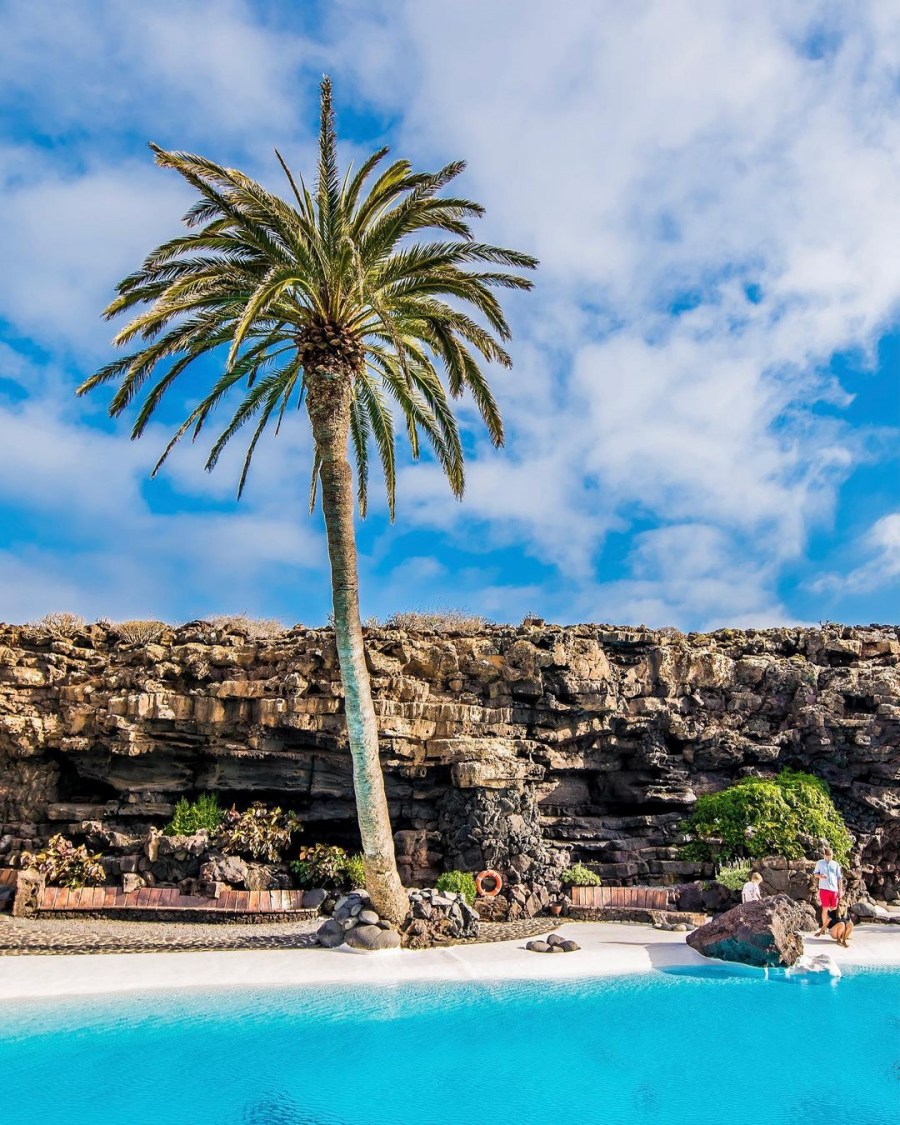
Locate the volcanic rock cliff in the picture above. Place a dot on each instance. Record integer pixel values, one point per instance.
(497, 745)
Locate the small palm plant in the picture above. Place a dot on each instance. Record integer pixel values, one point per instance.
(336, 299)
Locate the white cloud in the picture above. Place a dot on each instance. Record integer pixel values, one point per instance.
(208, 68)
(744, 159)
(879, 567)
(73, 237)
(112, 545)
(689, 573)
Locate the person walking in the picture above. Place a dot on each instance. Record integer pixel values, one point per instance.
(831, 885)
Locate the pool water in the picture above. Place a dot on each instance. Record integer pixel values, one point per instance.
(621, 1051)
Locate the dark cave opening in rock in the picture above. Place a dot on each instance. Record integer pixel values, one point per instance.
(74, 787)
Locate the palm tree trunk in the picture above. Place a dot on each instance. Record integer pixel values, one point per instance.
(328, 404)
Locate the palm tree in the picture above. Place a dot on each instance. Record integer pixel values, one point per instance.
(335, 299)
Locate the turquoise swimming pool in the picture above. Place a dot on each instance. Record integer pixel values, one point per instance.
(622, 1051)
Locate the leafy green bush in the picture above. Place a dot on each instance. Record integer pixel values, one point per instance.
(355, 872)
(64, 865)
(322, 865)
(325, 865)
(733, 875)
(787, 815)
(191, 816)
(463, 882)
(580, 876)
(258, 833)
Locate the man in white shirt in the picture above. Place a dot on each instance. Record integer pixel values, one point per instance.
(831, 885)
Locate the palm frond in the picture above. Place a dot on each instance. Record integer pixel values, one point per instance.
(382, 256)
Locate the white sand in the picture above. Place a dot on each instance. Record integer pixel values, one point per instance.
(607, 949)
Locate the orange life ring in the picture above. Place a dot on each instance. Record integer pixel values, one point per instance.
(488, 874)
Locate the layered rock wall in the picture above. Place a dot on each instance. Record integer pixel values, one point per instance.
(503, 748)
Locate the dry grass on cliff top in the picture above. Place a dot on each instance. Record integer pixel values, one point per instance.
(66, 625)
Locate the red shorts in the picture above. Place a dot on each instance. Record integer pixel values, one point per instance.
(829, 899)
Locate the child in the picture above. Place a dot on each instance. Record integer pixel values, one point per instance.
(751, 891)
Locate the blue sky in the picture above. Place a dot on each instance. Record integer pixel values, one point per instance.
(704, 412)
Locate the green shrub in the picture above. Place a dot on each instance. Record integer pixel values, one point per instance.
(355, 872)
(788, 815)
(326, 865)
(322, 865)
(463, 882)
(580, 876)
(64, 865)
(258, 833)
(191, 816)
(733, 875)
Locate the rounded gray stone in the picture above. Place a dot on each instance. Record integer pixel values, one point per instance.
(570, 947)
(372, 938)
(312, 900)
(330, 934)
(368, 918)
(538, 947)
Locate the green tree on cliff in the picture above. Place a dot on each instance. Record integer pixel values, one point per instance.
(790, 815)
(346, 298)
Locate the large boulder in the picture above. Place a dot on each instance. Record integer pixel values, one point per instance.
(765, 933)
(372, 937)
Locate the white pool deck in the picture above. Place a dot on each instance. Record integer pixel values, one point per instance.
(607, 949)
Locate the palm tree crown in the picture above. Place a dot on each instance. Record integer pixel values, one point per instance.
(338, 284)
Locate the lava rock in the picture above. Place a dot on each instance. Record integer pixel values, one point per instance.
(437, 918)
(219, 868)
(765, 933)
